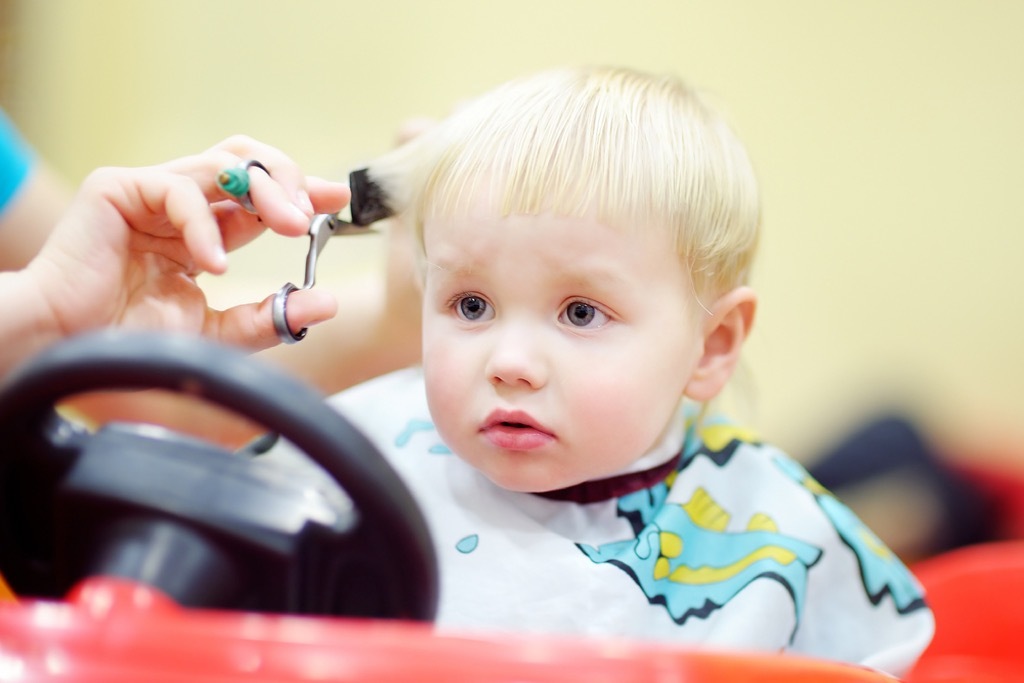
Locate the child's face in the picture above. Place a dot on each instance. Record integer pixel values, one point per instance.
(556, 350)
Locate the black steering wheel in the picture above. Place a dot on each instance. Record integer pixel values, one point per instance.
(208, 527)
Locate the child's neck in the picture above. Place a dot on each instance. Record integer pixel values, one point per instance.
(616, 486)
(651, 468)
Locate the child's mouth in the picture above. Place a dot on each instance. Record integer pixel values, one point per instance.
(515, 431)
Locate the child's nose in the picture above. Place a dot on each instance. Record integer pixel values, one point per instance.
(517, 359)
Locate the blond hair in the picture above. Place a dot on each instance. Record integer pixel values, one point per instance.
(640, 149)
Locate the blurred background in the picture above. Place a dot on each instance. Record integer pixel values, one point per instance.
(887, 136)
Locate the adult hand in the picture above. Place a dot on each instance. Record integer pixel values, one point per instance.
(131, 244)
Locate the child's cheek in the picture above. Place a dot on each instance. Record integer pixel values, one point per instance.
(445, 383)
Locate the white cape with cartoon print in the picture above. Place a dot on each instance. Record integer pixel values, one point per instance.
(738, 548)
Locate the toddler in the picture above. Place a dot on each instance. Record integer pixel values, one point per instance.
(586, 239)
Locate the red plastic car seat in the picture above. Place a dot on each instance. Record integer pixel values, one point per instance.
(977, 595)
(115, 631)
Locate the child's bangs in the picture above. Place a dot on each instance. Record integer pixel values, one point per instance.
(566, 154)
(633, 152)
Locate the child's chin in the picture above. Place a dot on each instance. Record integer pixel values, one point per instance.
(520, 484)
(515, 485)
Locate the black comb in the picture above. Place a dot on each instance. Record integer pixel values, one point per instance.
(369, 202)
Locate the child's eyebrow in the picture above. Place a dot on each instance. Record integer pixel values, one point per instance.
(608, 277)
(449, 271)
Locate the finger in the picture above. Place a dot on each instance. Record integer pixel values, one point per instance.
(271, 204)
(280, 198)
(285, 171)
(328, 196)
(309, 193)
(308, 307)
(239, 229)
(252, 325)
(274, 206)
(165, 194)
(276, 197)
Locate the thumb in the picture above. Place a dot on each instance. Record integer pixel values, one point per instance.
(251, 326)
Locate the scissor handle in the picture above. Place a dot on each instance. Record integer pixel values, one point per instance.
(280, 313)
(322, 227)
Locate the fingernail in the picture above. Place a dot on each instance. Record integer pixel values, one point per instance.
(220, 257)
(300, 214)
(305, 203)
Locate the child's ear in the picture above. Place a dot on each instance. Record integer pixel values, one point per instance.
(725, 330)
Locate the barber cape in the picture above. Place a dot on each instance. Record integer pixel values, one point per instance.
(735, 546)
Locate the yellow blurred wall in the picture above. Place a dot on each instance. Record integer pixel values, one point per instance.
(887, 135)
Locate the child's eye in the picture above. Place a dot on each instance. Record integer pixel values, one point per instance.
(582, 314)
(473, 308)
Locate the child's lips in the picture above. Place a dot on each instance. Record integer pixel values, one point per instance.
(515, 431)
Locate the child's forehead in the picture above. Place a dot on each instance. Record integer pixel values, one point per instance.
(579, 245)
(545, 258)
(486, 210)
(491, 198)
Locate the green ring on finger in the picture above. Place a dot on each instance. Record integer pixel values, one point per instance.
(235, 182)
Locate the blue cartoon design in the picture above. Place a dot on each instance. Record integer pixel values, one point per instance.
(881, 571)
(684, 559)
(468, 544)
(414, 427)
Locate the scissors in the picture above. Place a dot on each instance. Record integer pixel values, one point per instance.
(322, 227)
(368, 205)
